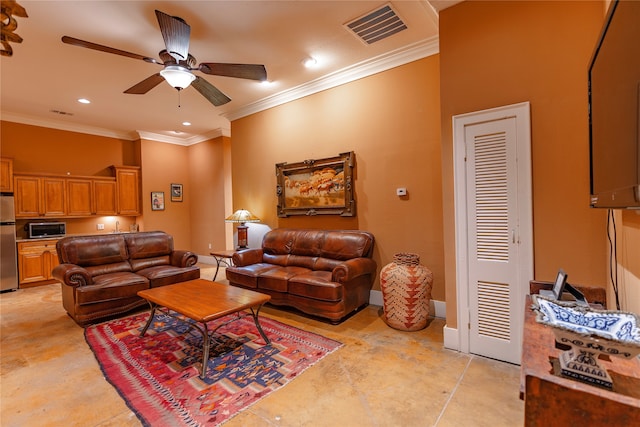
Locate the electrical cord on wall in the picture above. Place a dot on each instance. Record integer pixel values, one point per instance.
(613, 254)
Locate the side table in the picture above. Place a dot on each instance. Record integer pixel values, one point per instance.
(224, 257)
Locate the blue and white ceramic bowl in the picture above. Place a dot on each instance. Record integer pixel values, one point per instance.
(610, 332)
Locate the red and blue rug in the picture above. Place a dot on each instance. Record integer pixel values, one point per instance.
(158, 374)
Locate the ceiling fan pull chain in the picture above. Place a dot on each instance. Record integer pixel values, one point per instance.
(179, 98)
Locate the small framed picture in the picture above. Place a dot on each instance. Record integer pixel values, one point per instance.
(176, 192)
(157, 200)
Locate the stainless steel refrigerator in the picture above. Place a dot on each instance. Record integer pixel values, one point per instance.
(8, 260)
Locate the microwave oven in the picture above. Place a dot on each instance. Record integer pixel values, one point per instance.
(37, 230)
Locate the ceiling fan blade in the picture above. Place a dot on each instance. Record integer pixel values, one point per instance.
(146, 85)
(176, 33)
(81, 43)
(210, 92)
(243, 71)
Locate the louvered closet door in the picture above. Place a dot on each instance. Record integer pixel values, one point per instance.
(492, 215)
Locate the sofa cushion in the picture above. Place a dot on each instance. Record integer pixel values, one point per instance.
(276, 279)
(334, 244)
(316, 285)
(112, 286)
(149, 244)
(161, 275)
(247, 276)
(144, 263)
(92, 250)
(344, 245)
(116, 267)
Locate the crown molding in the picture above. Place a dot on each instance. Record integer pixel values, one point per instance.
(387, 61)
(110, 133)
(70, 127)
(215, 133)
(384, 62)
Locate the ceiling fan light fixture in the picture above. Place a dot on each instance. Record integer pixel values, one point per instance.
(178, 77)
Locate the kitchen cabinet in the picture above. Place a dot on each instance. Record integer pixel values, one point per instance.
(104, 192)
(128, 189)
(6, 175)
(88, 196)
(36, 259)
(37, 196)
(80, 192)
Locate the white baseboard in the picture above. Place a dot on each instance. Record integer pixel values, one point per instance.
(451, 340)
(436, 307)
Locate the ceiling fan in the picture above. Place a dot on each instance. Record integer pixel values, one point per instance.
(179, 63)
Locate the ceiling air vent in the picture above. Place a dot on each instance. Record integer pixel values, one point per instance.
(377, 25)
(60, 112)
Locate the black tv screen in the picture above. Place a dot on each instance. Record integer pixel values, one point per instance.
(614, 110)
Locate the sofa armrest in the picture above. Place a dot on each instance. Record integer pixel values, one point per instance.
(180, 258)
(71, 275)
(247, 257)
(353, 268)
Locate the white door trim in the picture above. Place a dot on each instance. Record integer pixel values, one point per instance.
(520, 111)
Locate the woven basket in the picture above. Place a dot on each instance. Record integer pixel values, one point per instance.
(406, 291)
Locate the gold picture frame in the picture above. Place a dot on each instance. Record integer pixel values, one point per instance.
(317, 187)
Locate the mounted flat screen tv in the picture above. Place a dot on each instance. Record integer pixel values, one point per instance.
(614, 110)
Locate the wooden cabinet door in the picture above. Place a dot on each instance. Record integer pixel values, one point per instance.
(104, 197)
(53, 260)
(36, 260)
(53, 196)
(27, 196)
(79, 197)
(6, 175)
(128, 185)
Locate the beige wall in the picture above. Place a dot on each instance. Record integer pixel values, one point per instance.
(628, 266)
(164, 164)
(391, 122)
(501, 53)
(208, 179)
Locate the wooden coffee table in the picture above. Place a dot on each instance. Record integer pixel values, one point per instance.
(203, 301)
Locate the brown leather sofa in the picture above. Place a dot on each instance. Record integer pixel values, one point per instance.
(326, 273)
(101, 274)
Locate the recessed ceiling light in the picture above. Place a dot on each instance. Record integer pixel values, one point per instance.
(186, 123)
(266, 83)
(310, 62)
(84, 101)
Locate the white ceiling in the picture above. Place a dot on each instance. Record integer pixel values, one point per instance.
(44, 74)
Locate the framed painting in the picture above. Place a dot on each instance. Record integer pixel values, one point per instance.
(157, 200)
(176, 192)
(317, 187)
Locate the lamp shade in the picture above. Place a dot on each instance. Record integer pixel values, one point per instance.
(242, 216)
(178, 77)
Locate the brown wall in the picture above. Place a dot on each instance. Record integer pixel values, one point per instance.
(391, 122)
(501, 53)
(194, 223)
(41, 149)
(36, 149)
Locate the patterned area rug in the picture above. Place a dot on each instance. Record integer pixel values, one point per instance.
(158, 374)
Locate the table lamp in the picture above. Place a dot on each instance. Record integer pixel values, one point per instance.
(241, 216)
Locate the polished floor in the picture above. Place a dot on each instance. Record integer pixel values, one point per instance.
(381, 377)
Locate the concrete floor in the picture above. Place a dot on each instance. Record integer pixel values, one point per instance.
(381, 377)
